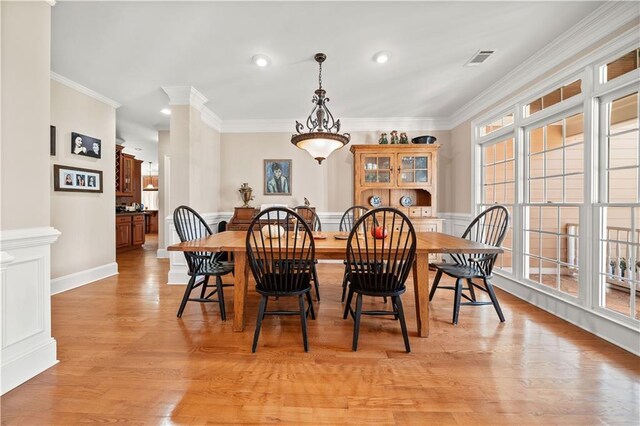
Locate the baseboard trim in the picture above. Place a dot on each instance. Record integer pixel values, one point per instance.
(78, 279)
(609, 330)
(162, 254)
(28, 365)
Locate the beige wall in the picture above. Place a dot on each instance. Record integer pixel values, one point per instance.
(86, 220)
(25, 174)
(455, 171)
(204, 167)
(329, 187)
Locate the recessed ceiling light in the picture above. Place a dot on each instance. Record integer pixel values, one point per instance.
(381, 57)
(166, 111)
(261, 60)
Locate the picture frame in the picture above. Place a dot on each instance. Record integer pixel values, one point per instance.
(52, 140)
(277, 177)
(75, 179)
(86, 145)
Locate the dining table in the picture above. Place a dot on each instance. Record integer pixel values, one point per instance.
(330, 247)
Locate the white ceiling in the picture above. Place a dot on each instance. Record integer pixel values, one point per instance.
(128, 50)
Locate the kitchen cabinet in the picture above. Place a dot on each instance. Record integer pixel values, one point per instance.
(399, 176)
(125, 165)
(129, 230)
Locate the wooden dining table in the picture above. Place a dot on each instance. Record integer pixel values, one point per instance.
(333, 248)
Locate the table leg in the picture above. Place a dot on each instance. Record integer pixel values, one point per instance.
(421, 291)
(240, 283)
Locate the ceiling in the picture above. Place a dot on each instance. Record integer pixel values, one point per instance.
(128, 50)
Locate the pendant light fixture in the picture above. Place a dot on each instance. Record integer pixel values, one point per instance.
(149, 185)
(323, 131)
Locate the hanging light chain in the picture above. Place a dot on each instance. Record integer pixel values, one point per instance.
(320, 75)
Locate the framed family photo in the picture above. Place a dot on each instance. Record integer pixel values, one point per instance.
(277, 177)
(74, 179)
(85, 145)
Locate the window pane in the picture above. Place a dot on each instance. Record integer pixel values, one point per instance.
(536, 191)
(624, 114)
(574, 158)
(549, 222)
(554, 162)
(489, 173)
(622, 65)
(533, 220)
(500, 198)
(510, 193)
(573, 188)
(500, 172)
(489, 194)
(489, 154)
(623, 186)
(551, 98)
(623, 150)
(421, 162)
(549, 274)
(554, 190)
(536, 140)
(500, 151)
(574, 129)
(509, 171)
(536, 165)
(570, 90)
(554, 135)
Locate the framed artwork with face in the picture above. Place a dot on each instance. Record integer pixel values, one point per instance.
(277, 177)
(85, 145)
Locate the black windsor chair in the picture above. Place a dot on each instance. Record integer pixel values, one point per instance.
(190, 226)
(393, 256)
(489, 227)
(310, 216)
(349, 218)
(281, 261)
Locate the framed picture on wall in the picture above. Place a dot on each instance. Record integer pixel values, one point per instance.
(75, 179)
(85, 145)
(277, 177)
(52, 140)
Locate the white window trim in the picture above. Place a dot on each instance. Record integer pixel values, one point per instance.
(617, 329)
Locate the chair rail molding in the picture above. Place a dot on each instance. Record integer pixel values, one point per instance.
(27, 347)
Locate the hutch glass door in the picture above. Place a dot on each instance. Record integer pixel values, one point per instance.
(377, 170)
(414, 169)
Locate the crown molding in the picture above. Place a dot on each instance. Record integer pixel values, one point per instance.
(600, 23)
(347, 124)
(50, 2)
(185, 95)
(209, 118)
(84, 90)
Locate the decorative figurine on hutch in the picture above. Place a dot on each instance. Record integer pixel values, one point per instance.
(394, 137)
(383, 139)
(306, 202)
(245, 193)
(403, 138)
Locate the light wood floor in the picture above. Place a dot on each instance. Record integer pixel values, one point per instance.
(125, 357)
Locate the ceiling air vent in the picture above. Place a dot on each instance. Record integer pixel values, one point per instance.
(479, 57)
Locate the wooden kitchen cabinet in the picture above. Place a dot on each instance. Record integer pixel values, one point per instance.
(123, 231)
(125, 173)
(392, 172)
(129, 230)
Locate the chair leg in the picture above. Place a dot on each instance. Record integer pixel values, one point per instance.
(263, 305)
(205, 284)
(396, 315)
(403, 324)
(303, 322)
(456, 303)
(494, 299)
(347, 305)
(344, 283)
(434, 286)
(315, 282)
(356, 325)
(187, 292)
(472, 291)
(311, 311)
(223, 311)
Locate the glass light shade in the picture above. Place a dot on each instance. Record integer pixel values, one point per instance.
(319, 144)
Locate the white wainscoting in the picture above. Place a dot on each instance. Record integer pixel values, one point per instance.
(25, 299)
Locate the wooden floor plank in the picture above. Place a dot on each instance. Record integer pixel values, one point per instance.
(125, 357)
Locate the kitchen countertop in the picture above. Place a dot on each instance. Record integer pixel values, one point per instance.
(128, 213)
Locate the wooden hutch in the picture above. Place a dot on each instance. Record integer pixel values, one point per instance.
(393, 172)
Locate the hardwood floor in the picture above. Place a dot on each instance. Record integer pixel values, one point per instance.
(125, 357)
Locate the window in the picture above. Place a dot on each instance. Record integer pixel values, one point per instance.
(504, 121)
(622, 65)
(619, 275)
(555, 96)
(498, 187)
(554, 177)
